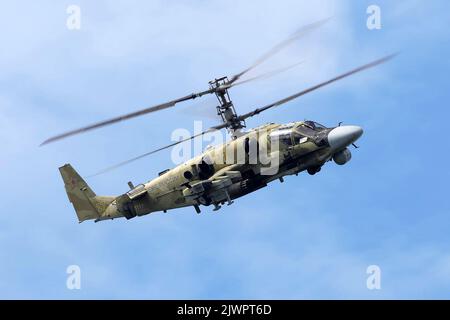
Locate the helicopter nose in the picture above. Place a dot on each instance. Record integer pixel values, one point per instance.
(341, 137)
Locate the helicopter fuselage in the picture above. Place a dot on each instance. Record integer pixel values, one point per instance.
(243, 165)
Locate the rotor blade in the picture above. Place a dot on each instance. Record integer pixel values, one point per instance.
(298, 34)
(127, 116)
(218, 127)
(302, 31)
(205, 108)
(267, 74)
(318, 86)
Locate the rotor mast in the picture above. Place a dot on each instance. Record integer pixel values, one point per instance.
(226, 109)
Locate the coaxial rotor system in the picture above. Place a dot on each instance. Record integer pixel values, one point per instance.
(230, 119)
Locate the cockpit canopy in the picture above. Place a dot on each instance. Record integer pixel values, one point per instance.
(313, 125)
(298, 132)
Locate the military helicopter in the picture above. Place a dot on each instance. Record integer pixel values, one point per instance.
(227, 171)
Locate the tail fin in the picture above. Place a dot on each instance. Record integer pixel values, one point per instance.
(87, 205)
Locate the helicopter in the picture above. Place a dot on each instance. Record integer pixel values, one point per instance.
(247, 162)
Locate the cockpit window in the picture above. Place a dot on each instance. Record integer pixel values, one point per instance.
(283, 136)
(297, 133)
(305, 130)
(309, 124)
(314, 125)
(299, 138)
(319, 126)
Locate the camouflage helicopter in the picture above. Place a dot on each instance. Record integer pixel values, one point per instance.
(207, 179)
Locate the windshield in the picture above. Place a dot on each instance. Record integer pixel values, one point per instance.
(305, 130)
(314, 125)
(319, 126)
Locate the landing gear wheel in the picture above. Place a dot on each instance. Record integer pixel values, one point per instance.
(313, 170)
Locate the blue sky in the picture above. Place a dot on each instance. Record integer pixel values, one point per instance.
(311, 237)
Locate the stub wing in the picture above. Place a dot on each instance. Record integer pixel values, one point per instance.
(214, 190)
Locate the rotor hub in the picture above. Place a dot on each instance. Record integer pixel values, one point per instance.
(226, 109)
